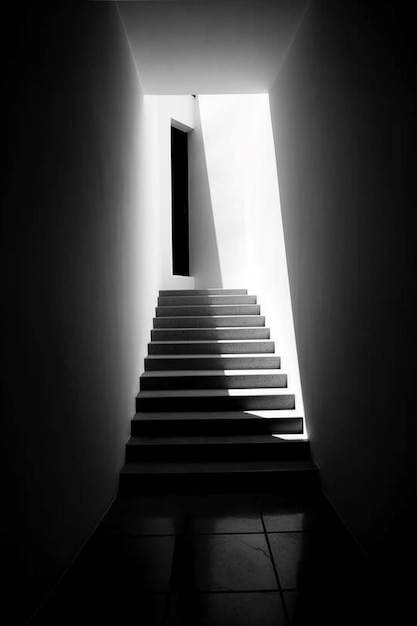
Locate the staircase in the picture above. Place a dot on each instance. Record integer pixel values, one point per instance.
(213, 401)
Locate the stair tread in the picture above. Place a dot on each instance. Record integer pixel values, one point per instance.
(216, 415)
(199, 317)
(211, 290)
(237, 439)
(217, 355)
(206, 341)
(220, 444)
(205, 298)
(210, 295)
(208, 305)
(213, 467)
(225, 373)
(206, 321)
(207, 310)
(213, 328)
(197, 393)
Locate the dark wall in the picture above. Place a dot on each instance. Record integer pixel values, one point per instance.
(343, 116)
(68, 253)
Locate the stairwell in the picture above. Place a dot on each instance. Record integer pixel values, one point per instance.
(213, 401)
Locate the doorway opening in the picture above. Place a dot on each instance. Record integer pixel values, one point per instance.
(180, 202)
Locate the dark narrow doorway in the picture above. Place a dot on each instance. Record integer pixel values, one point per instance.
(179, 185)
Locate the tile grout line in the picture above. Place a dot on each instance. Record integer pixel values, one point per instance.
(273, 561)
(194, 534)
(225, 592)
(104, 535)
(171, 580)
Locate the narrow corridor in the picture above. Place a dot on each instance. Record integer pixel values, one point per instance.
(218, 521)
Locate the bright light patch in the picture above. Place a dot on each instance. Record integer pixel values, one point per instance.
(303, 437)
(244, 197)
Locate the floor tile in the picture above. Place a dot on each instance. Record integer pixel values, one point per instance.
(116, 579)
(204, 559)
(106, 607)
(226, 609)
(142, 563)
(144, 515)
(317, 560)
(291, 553)
(223, 513)
(237, 562)
(171, 514)
(341, 605)
(282, 514)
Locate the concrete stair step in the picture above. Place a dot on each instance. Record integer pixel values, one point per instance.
(214, 411)
(223, 346)
(211, 362)
(216, 423)
(218, 448)
(212, 379)
(215, 400)
(194, 334)
(209, 309)
(294, 476)
(202, 292)
(205, 300)
(209, 321)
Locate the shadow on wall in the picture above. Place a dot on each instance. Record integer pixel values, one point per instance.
(342, 130)
(69, 259)
(204, 253)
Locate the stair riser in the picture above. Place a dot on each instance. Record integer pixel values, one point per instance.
(209, 321)
(210, 403)
(255, 347)
(209, 333)
(168, 428)
(244, 381)
(225, 452)
(226, 309)
(298, 482)
(203, 292)
(212, 363)
(204, 300)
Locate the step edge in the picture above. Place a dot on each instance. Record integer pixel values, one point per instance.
(210, 416)
(137, 441)
(215, 341)
(214, 372)
(216, 467)
(200, 355)
(212, 392)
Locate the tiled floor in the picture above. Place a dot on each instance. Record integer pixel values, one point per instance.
(214, 560)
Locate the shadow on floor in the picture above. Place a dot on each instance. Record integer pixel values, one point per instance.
(215, 559)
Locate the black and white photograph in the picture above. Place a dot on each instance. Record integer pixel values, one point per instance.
(205, 376)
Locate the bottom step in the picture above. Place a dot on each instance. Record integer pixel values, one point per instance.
(218, 476)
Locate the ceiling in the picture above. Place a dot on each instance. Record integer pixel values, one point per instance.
(210, 46)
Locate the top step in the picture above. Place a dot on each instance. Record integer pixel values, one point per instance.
(180, 300)
(204, 292)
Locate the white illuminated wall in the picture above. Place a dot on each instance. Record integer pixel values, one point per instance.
(153, 202)
(235, 221)
(236, 236)
(163, 110)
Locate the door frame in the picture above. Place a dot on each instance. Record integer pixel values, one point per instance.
(185, 129)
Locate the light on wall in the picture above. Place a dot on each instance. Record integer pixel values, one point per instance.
(239, 152)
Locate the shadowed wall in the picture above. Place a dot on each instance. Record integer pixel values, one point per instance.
(75, 312)
(342, 111)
